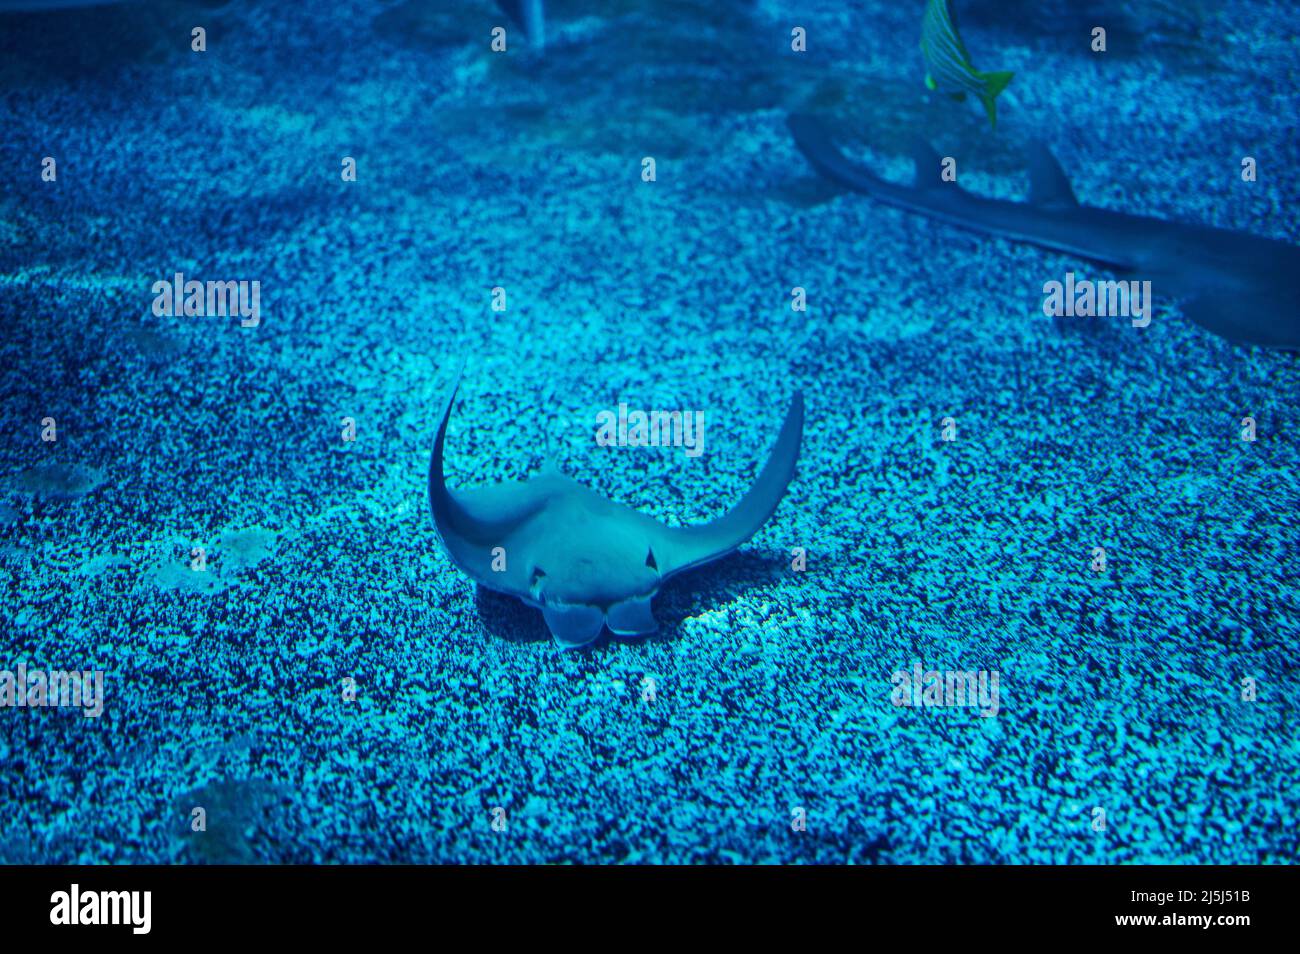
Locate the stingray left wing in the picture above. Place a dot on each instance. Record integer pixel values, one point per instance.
(473, 523)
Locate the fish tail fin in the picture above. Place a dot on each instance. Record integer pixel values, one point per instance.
(994, 83)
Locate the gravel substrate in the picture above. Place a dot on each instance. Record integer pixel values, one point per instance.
(766, 696)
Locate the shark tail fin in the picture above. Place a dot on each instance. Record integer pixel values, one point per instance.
(691, 546)
(994, 83)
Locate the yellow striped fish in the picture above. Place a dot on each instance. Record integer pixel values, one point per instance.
(948, 63)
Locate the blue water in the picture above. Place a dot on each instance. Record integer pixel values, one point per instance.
(290, 667)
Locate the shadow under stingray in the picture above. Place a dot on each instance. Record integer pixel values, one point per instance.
(722, 581)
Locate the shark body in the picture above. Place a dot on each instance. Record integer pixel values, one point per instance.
(1243, 287)
(584, 561)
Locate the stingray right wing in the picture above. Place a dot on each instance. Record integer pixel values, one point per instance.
(680, 548)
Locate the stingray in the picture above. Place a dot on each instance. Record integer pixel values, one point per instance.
(587, 562)
(1242, 287)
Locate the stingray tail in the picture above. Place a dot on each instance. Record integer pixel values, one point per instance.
(695, 545)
